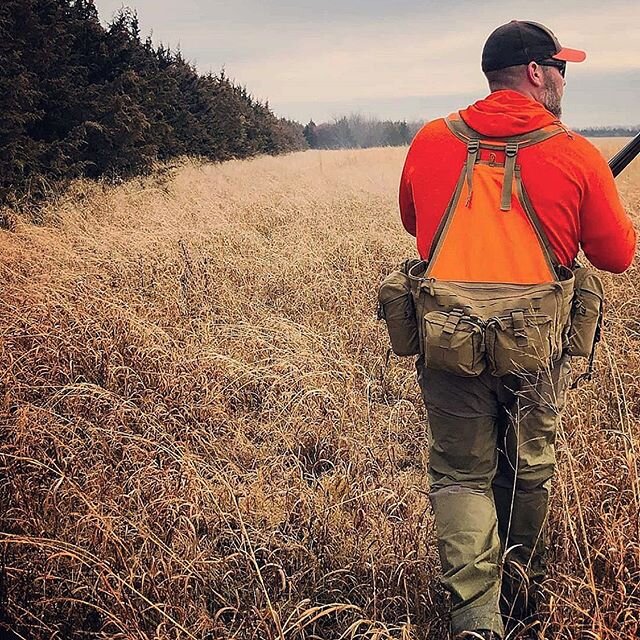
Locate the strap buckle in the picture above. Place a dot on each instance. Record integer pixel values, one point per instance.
(517, 318)
(511, 149)
(450, 326)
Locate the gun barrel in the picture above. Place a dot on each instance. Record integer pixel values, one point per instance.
(624, 156)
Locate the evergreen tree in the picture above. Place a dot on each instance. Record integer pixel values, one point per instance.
(310, 134)
(78, 99)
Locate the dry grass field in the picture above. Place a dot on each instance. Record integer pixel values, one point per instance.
(202, 437)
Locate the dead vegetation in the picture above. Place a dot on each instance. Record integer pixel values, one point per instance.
(202, 438)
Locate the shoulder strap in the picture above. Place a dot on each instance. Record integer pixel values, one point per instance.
(464, 132)
(510, 152)
(535, 221)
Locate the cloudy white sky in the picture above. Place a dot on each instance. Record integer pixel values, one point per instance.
(399, 59)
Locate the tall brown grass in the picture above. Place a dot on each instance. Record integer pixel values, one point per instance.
(202, 436)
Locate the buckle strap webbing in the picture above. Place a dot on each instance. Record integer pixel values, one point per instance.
(511, 151)
(473, 146)
(464, 132)
(450, 326)
(517, 318)
(545, 243)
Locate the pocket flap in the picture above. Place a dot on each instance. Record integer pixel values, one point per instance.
(454, 342)
(519, 342)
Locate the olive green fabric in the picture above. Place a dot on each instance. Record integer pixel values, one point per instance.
(454, 342)
(510, 151)
(464, 132)
(520, 341)
(523, 327)
(490, 466)
(586, 312)
(396, 308)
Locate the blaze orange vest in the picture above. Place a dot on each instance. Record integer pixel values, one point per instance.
(490, 231)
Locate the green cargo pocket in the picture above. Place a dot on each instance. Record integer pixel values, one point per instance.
(520, 342)
(454, 342)
(402, 326)
(397, 309)
(586, 313)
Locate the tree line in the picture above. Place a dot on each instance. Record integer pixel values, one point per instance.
(359, 132)
(81, 100)
(609, 132)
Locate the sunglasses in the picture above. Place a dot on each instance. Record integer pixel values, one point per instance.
(558, 64)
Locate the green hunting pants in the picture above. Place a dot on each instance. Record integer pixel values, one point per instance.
(490, 466)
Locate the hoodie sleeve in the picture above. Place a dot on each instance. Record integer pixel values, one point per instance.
(407, 208)
(608, 238)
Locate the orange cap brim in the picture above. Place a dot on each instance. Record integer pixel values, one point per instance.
(570, 55)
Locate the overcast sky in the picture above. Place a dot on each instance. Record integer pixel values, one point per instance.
(398, 59)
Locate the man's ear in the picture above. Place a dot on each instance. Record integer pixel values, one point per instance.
(534, 74)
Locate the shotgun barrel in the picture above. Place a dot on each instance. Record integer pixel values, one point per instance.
(624, 156)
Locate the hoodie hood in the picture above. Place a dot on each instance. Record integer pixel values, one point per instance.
(507, 113)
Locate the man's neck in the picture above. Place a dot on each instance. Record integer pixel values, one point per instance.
(525, 91)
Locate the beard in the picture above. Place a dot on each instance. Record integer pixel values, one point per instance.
(551, 97)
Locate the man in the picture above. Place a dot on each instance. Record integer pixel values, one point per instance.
(492, 438)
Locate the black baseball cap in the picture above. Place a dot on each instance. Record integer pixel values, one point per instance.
(521, 42)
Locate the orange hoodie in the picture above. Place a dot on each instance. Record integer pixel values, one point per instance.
(568, 181)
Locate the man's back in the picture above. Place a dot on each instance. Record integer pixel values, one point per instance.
(566, 178)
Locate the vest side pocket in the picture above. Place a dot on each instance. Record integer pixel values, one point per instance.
(586, 313)
(397, 309)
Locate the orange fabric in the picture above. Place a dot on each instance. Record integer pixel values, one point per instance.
(570, 55)
(499, 246)
(567, 179)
